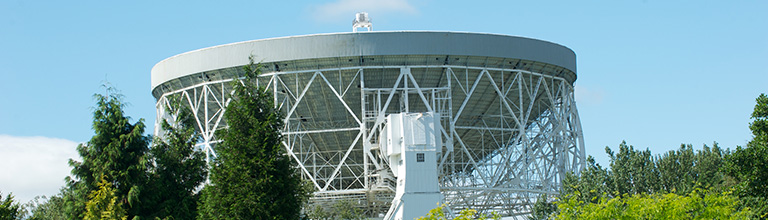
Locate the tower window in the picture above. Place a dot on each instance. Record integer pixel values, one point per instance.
(419, 157)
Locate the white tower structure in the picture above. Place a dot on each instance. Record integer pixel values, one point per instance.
(412, 143)
(504, 126)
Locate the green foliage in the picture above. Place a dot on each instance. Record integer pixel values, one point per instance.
(696, 205)
(43, 208)
(750, 165)
(759, 126)
(683, 170)
(640, 186)
(676, 173)
(252, 178)
(75, 195)
(707, 167)
(117, 152)
(10, 209)
(103, 204)
(543, 208)
(590, 186)
(466, 214)
(632, 171)
(178, 169)
(344, 209)
(435, 214)
(636, 172)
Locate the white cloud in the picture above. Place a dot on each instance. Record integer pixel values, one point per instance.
(589, 96)
(348, 8)
(34, 166)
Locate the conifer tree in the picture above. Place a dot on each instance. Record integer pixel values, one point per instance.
(102, 204)
(9, 208)
(252, 177)
(117, 152)
(177, 168)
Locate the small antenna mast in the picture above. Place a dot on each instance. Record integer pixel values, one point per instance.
(362, 21)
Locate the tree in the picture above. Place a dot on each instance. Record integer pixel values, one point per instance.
(635, 172)
(749, 165)
(709, 162)
(103, 204)
(252, 177)
(177, 168)
(344, 209)
(10, 209)
(683, 170)
(590, 186)
(699, 204)
(466, 214)
(675, 176)
(117, 152)
(632, 171)
(543, 207)
(43, 208)
(676, 173)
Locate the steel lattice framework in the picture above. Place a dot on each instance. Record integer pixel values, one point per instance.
(510, 126)
(499, 160)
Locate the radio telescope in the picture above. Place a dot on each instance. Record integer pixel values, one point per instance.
(494, 114)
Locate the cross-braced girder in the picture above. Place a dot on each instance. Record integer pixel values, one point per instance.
(508, 134)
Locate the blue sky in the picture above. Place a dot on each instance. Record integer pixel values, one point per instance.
(654, 73)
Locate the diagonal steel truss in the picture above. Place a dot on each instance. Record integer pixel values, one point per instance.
(509, 134)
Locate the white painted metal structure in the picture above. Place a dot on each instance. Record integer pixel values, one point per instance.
(410, 141)
(509, 127)
(362, 21)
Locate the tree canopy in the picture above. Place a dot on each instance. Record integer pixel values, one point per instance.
(749, 165)
(119, 173)
(117, 152)
(678, 184)
(9, 208)
(683, 183)
(439, 213)
(103, 204)
(696, 205)
(178, 169)
(252, 177)
(343, 209)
